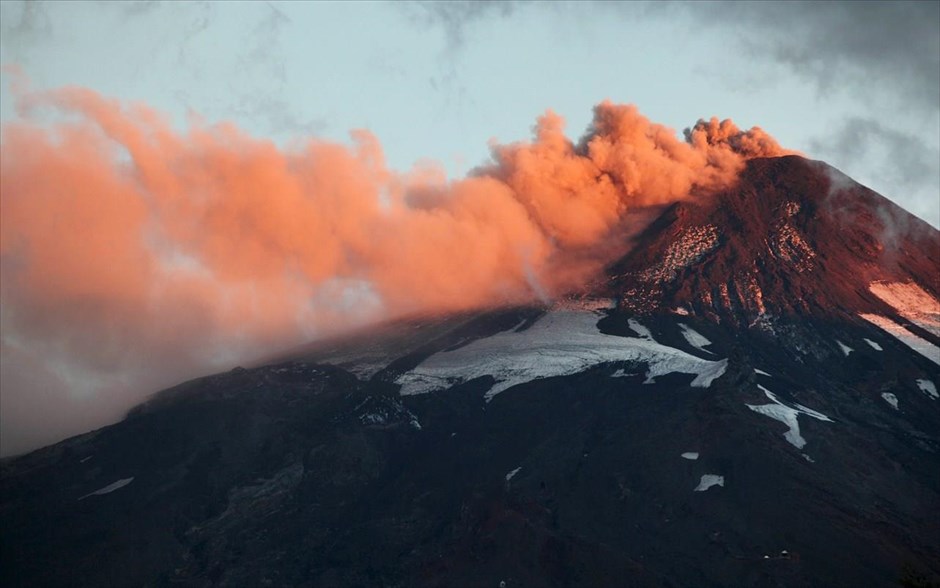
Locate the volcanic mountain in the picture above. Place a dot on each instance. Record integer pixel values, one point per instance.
(748, 398)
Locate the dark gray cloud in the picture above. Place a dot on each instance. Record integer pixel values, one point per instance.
(858, 136)
(876, 49)
(904, 160)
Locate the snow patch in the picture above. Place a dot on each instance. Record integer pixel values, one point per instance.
(846, 350)
(693, 455)
(928, 388)
(639, 329)
(372, 419)
(762, 372)
(709, 480)
(513, 473)
(911, 302)
(109, 488)
(681, 311)
(694, 338)
(890, 399)
(558, 344)
(84, 459)
(874, 345)
(787, 415)
(925, 348)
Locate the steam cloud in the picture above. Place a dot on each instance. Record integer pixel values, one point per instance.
(134, 255)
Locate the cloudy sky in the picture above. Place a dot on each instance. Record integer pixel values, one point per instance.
(856, 84)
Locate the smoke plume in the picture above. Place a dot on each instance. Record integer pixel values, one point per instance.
(134, 255)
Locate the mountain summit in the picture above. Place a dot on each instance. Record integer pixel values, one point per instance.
(793, 238)
(748, 397)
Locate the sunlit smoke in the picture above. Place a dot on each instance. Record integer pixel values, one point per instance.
(134, 255)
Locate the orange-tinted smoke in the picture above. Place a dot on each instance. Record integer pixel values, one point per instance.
(127, 243)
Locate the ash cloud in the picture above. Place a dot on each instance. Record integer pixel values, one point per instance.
(133, 255)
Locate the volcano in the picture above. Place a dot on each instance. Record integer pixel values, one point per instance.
(747, 398)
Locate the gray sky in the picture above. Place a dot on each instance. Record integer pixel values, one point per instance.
(855, 84)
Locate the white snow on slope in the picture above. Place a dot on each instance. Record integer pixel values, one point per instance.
(709, 480)
(925, 348)
(513, 473)
(695, 338)
(693, 455)
(589, 304)
(928, 388)
(911, 302)
(874, 345)
(558, 344)
(762, 372)
(890, 399)
(787, 415)
(845, 348)
(639, 329)
(109, 488)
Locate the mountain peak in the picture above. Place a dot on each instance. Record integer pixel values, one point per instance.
(792, 237)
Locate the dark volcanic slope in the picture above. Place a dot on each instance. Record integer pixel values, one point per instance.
(823, 428)
(794, 237)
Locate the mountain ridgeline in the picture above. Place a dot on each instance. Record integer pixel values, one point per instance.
(748, 398)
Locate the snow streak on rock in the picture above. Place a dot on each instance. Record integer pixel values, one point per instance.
(890, 399)
(787, 415)
(846, 350)
(709, 480)
(925, 348)
(558, 344)
(639, 329)
(694, 338)
(928, 388)
(109, 488)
